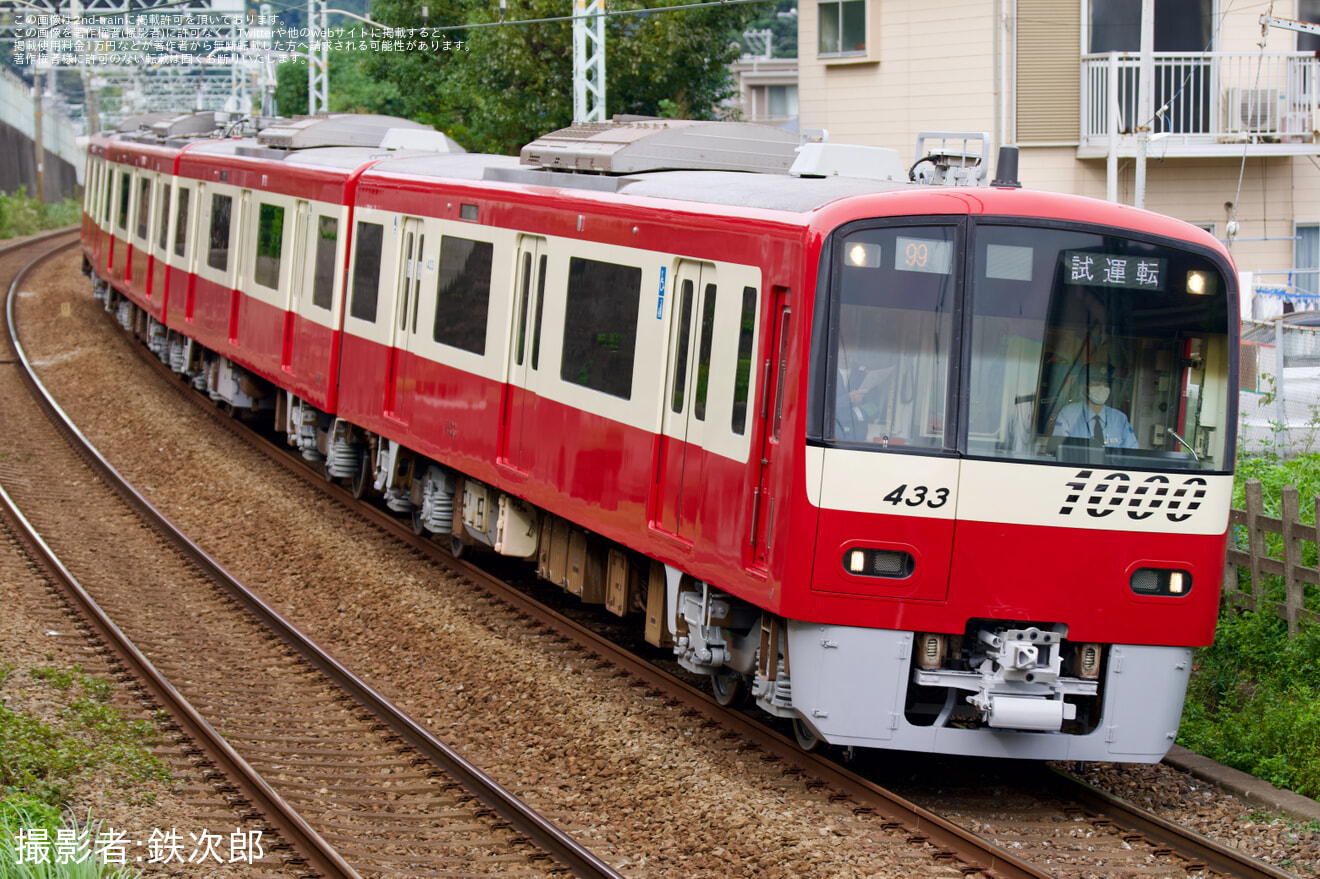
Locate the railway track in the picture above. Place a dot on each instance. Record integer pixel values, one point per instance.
(383, 797)
(1103, 842)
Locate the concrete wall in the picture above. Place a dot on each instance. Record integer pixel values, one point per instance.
(63, 165)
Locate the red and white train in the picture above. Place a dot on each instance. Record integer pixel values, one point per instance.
(830, 430)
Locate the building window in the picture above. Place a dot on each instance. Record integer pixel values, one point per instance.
(842, 27)
(463, 293)
(774, 102)
(600, 328)
(1306, 260)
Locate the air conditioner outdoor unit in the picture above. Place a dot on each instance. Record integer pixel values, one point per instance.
(1250, 110)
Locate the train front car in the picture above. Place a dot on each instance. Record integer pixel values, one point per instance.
(1021, 447)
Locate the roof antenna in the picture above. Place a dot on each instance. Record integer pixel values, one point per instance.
(1007, 175)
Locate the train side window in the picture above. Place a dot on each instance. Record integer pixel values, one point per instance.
(743, 376)
(164, 239)
(783, 372)
(181, 223)
(540, 304)
(323, 284)
(125, 181)
(522, 309)
(600, 328)
(366, 270)
(218, 257)
(109, 195)
(681, 348)
(270, 244)
(462, 299)
(143, 208)
(703, 354)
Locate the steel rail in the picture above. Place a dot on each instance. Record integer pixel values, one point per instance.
(952, 841)
(543, 834)
(1187, 843)
(977, 854)
(317, 853)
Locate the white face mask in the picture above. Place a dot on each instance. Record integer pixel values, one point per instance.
(1098, 394)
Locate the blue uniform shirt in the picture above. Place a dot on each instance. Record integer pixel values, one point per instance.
(1076, 419)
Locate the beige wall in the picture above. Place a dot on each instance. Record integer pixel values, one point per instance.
(925, 78)
(1276, 193)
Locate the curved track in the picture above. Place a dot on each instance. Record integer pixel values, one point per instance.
(1108, 835)
(1039, 821)
(389, 799)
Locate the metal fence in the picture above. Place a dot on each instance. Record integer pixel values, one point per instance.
(1279, 386)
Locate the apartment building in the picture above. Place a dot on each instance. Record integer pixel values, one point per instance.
(1234, 142)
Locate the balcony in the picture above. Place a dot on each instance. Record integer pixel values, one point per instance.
(1208, 104)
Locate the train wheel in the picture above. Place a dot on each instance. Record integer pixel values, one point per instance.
(807, 738)
(418, 523)
(363, 479)
(728, 687)
(457, 548)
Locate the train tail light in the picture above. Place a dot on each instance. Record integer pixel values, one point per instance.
(1161, 582)
(1088, 661)
(930, 650)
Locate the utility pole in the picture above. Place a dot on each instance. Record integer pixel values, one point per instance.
(588, 61)
(39, 86)
(318, 59)
(1146, 101)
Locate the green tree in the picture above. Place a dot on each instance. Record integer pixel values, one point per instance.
(508, 85)
(352, 88)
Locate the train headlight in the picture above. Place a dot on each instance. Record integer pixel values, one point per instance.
(1160, 581)
(1200, 283)
(864, 256)
(891, 563)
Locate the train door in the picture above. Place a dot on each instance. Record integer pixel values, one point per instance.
(774, 374)
(524, 354)
(694, 294)
(192, 253)
(297, 292)
(407, 300)
(238, 265)
(161, 234)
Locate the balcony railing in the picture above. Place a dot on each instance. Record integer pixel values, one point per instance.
(1204, 100)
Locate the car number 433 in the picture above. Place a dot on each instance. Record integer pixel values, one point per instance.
(918, 495)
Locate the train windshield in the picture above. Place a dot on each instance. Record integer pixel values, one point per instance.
(1079, 347)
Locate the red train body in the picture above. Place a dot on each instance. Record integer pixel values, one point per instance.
(815, 427)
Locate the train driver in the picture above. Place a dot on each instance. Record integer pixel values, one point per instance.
(1091, 418)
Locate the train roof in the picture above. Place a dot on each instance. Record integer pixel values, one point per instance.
(779, 192)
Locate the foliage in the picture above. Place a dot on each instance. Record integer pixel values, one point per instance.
(1274, 473)
(782, 22)
(20, 815)
(20, 215)
(1254, 701)
(499, 88)
(38, 761)
(351, 87)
